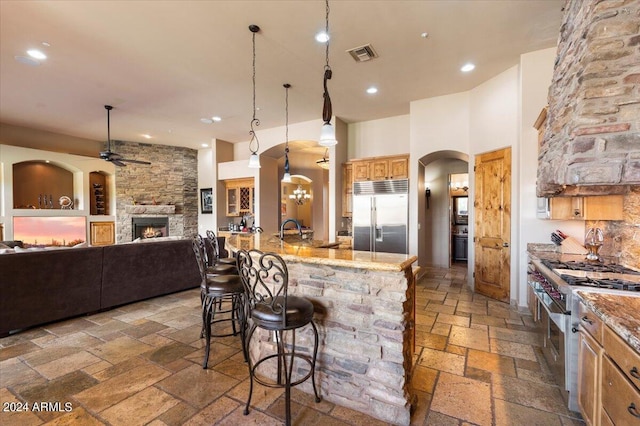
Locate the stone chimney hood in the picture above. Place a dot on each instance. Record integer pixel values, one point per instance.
(591, 143)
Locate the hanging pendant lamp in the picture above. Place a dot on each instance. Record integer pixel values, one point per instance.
(254, 160)
(287, 176)
(328, 132)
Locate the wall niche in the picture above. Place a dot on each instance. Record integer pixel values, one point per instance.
(39, 185)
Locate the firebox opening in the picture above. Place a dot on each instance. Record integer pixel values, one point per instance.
(149, 227)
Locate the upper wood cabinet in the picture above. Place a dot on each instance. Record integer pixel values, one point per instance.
(606, 207)
(381, 168)
(240, 196)
(347, 190)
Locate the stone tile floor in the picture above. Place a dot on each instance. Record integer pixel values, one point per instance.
(477, 362)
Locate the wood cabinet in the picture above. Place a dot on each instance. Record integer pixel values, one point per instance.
(606, 207)
(240, 197)
(102, 233)
(347, 190)
(381, 168)
(589, 364)
(608, 374)
(620, 380)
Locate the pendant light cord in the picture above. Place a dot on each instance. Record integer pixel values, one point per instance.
(327, 112)
(254, 121)
(286, 127)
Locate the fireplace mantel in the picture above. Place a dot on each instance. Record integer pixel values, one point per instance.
(150, 209)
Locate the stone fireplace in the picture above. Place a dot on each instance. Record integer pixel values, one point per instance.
(149, 227)
(165, 189)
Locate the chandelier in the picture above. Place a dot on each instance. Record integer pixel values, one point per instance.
(300, 195)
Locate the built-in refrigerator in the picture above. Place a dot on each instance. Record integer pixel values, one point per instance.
(381, 215)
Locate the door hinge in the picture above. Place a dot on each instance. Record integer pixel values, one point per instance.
(473, 275)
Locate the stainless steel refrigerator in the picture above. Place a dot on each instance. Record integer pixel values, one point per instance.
(381, 215)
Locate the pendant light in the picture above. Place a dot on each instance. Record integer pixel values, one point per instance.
(324, 161)
(254, 160)
(287, 176)
(328, 133)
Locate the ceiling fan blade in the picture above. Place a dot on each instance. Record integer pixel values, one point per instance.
(134, 161)
(117, 162)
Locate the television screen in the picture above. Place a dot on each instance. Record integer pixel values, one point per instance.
(50, 231)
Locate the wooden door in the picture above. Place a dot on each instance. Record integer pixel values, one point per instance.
(492, 235)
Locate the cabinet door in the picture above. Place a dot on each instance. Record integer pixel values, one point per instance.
(379, 169)
(620, 399)
(589, 359)
(347, 190)
(245, 199)
(360, 171)
(232, 202)
(399, 168)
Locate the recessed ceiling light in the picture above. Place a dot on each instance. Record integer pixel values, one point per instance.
(206, 120)
(322, 37)
(47, 161)
(46, 44)
(467, 67)
(424, 35)
(205, 145)
(371, 90)
(35, 53)
(216, 118)
(146, 136)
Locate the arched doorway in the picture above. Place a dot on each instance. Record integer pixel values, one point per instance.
(435, 207)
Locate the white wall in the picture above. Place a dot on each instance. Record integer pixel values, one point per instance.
(436, 124)
(206, 179)
(536, 70)
(387, 136)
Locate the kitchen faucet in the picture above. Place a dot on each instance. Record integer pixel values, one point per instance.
(287, 221)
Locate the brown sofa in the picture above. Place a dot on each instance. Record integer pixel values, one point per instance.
(43, 286)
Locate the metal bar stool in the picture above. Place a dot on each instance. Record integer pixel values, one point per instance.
(266, 279)
(214, 290)
(215, 249)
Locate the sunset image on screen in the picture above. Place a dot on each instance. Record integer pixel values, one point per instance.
(50, 231)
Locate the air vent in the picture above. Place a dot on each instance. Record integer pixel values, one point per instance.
(363, 53)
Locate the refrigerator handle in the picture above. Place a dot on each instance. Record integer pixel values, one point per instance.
(378, 234)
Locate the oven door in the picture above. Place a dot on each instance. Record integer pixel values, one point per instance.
(554, 326)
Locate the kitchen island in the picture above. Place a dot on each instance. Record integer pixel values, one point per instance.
(364, 310)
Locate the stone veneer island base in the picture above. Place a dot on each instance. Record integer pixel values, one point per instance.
(364, 310)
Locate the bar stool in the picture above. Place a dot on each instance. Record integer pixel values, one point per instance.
(266, 279)
(215, 248)
(214, 290)
(214, 268)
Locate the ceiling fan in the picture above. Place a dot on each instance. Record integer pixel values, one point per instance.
(111, 156)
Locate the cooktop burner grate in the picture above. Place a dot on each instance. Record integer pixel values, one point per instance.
(589, 266)
(611, 283)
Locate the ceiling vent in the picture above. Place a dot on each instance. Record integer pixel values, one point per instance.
(363, 53)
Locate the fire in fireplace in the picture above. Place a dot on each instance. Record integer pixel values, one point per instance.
(149, 227)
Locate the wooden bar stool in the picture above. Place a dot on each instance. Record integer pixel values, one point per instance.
(266, 279)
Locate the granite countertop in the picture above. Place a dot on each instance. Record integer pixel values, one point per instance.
(311, 252)
(621, 313)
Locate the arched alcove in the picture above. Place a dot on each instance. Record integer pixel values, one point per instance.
(40, 184)
(296, 200)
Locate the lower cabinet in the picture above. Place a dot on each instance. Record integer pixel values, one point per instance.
(460, 247)
(589, 359)
(608, 374)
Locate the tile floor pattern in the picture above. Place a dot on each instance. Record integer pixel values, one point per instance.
(478, 362)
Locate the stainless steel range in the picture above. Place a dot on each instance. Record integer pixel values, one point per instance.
(554, 282)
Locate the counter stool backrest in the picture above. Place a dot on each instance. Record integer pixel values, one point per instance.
(200, 253)
(212, 242)
(266, 280)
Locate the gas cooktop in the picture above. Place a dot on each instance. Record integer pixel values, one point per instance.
(611, 283)
(589, 266)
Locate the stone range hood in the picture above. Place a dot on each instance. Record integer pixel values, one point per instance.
(591, 143)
